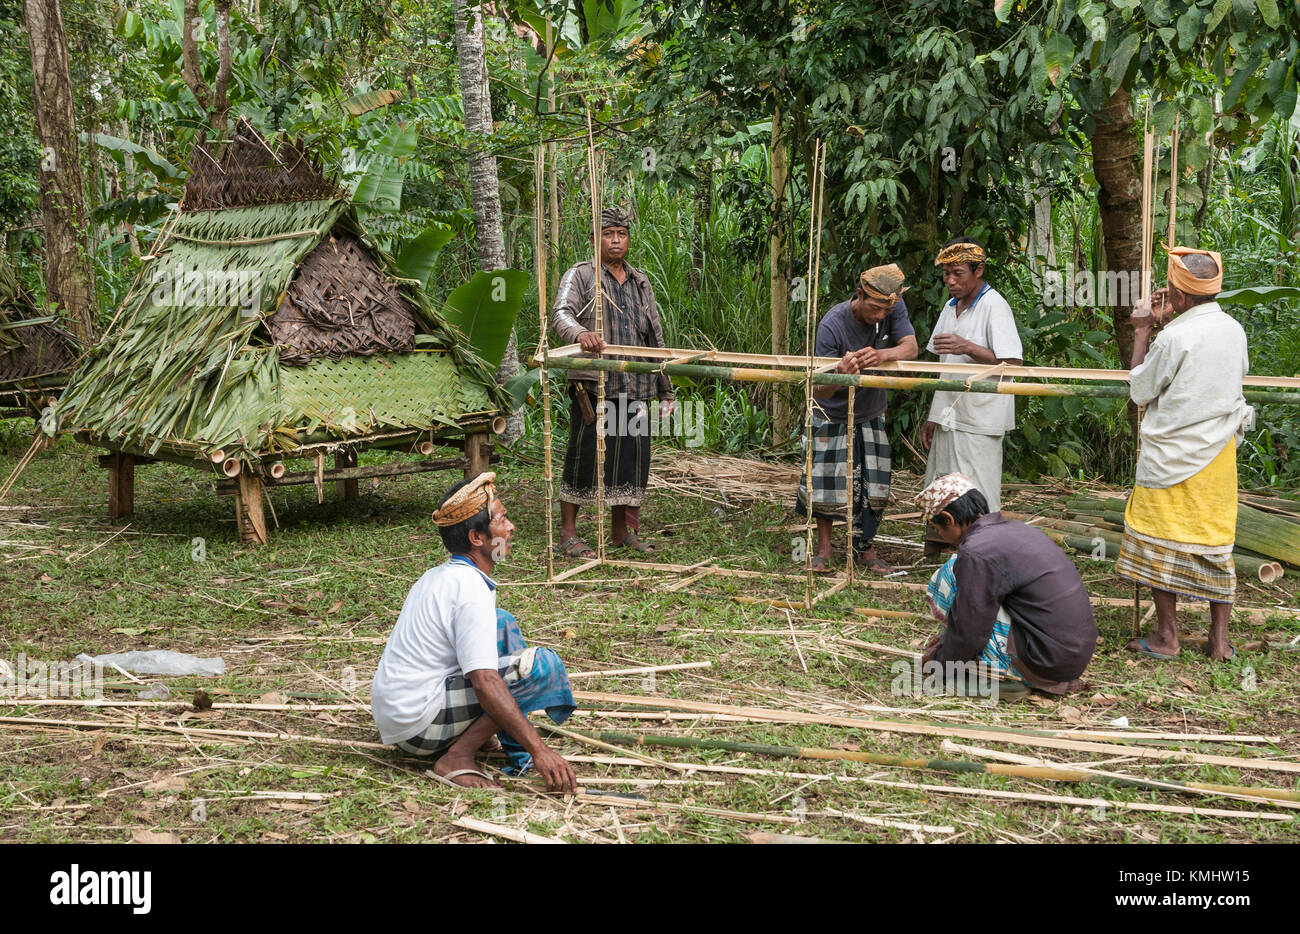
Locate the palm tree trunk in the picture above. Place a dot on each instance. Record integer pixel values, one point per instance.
(471, 56)
(68, 283)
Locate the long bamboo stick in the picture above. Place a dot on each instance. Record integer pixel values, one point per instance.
(1032, 797)
(955, 370)
(540, 251)
(1042, 772)
(916, 384)
(1047, 739)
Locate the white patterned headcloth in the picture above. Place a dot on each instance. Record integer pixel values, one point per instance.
(940, 493)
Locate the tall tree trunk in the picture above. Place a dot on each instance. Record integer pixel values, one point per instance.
(485, 193)
(1042, 245)
(1115, 165)
(213, 99)
(778, 270)
(68, 282)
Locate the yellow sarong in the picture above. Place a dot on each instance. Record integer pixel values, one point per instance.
(1202, 510)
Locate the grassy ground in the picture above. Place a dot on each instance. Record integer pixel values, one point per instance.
(304, 620)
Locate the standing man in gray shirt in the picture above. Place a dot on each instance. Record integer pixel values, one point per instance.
(863, 332)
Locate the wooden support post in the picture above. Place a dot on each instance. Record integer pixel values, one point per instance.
(348, 488)
(478, 453)
(121, 485)
(248, 509)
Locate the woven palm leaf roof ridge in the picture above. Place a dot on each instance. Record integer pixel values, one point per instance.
(194, 367)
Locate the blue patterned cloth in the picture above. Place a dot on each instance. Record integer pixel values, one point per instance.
(537, 681)
(942, 589)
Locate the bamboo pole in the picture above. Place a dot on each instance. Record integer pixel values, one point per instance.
(1033, 797)
(1042, 772)
(1048, 739)
(799, 362)
(540, 248)
(594, 181)
(916, 384)
(499, 830)
(814, 256)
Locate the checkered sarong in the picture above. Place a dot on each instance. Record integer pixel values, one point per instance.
(830, 460)
(537, 681)
(1198, 572)
(942, 589)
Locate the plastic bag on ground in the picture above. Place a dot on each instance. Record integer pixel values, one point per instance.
(159, 662)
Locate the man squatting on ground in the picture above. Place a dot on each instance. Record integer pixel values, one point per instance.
(1181, 519)
(865, 331)
(1009, 598)
(456, 668)
(964, 431)
(631, 318)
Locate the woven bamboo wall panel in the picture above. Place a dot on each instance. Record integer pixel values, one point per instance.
(341, 303)
(357, 395)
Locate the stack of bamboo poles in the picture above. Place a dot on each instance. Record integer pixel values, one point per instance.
(1268, 532)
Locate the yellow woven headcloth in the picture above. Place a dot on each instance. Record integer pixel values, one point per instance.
(1181, 278)
(468, 501)
(960, 253)
(884, 283)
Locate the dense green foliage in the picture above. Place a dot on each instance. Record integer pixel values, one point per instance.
(939, 118)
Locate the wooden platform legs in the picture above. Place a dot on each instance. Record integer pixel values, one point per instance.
(248, 509)
(121, 484)
(478, 454)
(348, 489)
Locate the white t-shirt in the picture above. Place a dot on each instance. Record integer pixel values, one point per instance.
(448, 626)
(987, 322)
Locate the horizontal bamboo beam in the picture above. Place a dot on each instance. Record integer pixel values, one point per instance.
(361, 473)
(800, 363)
(915, 384)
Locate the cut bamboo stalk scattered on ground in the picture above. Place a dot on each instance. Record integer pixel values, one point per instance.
(1048, 772)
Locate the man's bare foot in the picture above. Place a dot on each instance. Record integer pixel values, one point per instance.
(1152, 646)
(1219, 651)
(470, 777)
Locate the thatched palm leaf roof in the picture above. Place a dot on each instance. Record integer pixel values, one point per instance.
(192, 361)
(32, 345)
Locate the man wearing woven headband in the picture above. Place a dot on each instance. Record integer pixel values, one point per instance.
(1181, 519)
(964, 431)
(631, 318)
(456, 669)
(863, 332)
(1010, 598)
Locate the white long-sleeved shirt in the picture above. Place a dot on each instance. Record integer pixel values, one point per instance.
(1190, 383)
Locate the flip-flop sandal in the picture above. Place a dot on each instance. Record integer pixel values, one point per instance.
(874, 563)
(820, 565)
(633, 541)
(450, 777)
(575, 548)
(1144, 649)
(1232, 653)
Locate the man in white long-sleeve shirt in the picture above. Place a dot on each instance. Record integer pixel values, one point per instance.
(1181, 520)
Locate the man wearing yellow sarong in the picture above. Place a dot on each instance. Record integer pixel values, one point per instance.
(1181, 520)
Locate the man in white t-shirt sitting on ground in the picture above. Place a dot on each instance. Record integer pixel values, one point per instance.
(965, 429)
(457, 670)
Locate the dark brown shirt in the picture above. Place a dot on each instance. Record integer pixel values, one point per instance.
(1001, 563)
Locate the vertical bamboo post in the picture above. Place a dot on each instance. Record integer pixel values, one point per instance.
(1148, 147)
(850, 554)
(1173, 181)
(807, 379)
(593, 177)
(540, 247)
